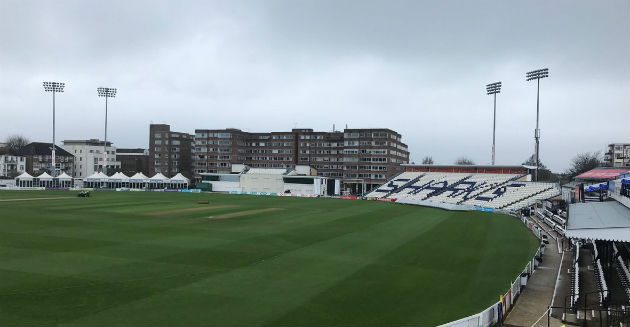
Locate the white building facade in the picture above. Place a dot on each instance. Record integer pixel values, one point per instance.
(618, 155)
(89, 157)
(301, 181)
(10, 164)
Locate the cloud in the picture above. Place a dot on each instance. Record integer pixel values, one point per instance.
(419, 68)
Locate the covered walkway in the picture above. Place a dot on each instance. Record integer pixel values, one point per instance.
(536, 298)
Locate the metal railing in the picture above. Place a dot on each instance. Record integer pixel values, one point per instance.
(591, 316)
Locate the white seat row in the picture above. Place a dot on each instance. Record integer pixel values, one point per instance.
(552, 191)
(600, 279)
(499, 191)
(393, 184)
(575, 277)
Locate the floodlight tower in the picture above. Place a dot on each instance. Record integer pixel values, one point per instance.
(537, 75)
(493, 89)
(54, 87)
(105, 92)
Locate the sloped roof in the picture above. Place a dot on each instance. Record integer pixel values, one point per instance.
(120, 176)
(98, 176)
(179, 178)
(138, 176)
(606, 221)
(44, 176)
(602, 174)
(24, 175)
(40, 149)
(64, 176)
(158, 177)
(93, 176)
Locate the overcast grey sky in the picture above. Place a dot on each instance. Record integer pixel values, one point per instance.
(418, 67)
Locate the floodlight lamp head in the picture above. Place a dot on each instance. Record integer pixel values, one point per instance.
(106, 92)
(493, 88)
(54, 86)
(537, 74)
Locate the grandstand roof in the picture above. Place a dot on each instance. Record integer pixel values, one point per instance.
(606, 221)
(270, 171)
(602, 174)
(475, 166)
(490, 169)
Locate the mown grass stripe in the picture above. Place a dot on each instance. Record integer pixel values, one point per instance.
(103, 261)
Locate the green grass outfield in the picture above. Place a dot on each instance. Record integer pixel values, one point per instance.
(162, 259)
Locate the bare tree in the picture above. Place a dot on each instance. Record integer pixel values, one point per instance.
(464, 161)
(584, 162)
(544, 174)
(16, 142)
(428, 160)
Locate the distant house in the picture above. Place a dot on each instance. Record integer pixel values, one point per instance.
(11, 166)
(618, 155)
(39, 159)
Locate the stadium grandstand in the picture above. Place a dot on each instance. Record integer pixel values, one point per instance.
(594, 279)
(492, 187)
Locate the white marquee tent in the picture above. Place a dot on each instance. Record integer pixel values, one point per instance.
(96, 180)
(100, 180)
(138, 181)
(64, 180)
(44, 180)
(24, 180)
(118, 180)
(158, 181)
(179, 181)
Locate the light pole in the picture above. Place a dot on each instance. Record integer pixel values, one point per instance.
(493, 89)
(54, 87)
(537, 75)
(359, 180)
(105, 92)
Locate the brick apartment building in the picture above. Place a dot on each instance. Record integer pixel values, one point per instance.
(169, 152)
(356, 156)
(39, 159)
